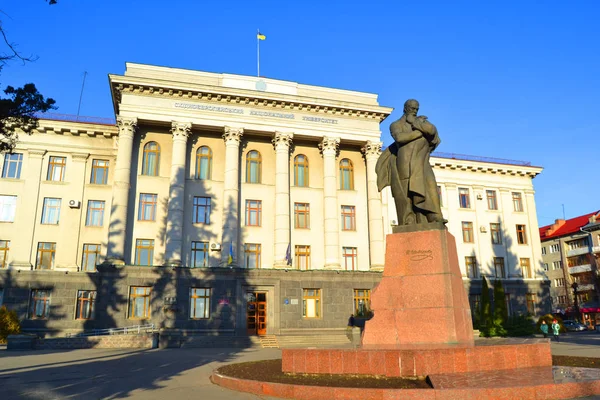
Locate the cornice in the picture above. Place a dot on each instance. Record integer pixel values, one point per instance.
(484, 167)
(75, 128)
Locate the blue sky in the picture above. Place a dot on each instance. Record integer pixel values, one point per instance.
(507, 79)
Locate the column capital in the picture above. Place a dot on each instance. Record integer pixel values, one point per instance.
(372, 149)
(233, 135)
(329, 145)
(180, 130)
(126, 125)
(282, 140)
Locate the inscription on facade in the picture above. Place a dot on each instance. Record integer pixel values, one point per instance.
(272, 114)
(203, 107)
(419, 255)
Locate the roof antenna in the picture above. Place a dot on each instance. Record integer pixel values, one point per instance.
(563, 206)
(81, 94)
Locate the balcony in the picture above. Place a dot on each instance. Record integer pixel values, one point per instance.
(585, 287)
(580, 269)
(578, 252)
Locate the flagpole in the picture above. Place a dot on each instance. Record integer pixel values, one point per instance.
(257, 53)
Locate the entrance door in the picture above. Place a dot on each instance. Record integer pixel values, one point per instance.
(256, 313)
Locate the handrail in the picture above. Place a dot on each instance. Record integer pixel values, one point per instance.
(113, 331)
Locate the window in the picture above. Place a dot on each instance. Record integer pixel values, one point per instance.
(144, 252)
(556, 265)
(86, 302)
(496, 233)
(201, 210)
(311, 303)
(199, 303)
(471, 266)
(139, 302)
(252, 255)
(302, 215)
(577, 244)
(147, 207)
(348, 218)
(525, 264)
(51, 211)
(362, 302)
(576, 261)
(95, 213)
(45, 255)
(91, 257)
(4, 248)
(492, 201)
(555, 248)
(302, 257)
(8, 208)
(562, 299)
(463, 198)
(475, 301)
(39, 308)
(521, 234)
(253, 167)
(350, 258)
(508, 304)
(199, 254)
(560, 282)
(499, 267)
(56, 169)
(204, 163)
(301, 170)
(517, 201)
(253, 212)
(544, 251)
(12, 165)
(546, 268)
(151, 159)
(99, 172)
(439, 192)
(531, 303)
(346, 175)
(467, 232)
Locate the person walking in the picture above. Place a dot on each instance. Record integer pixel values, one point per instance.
(555, 330)
(544, 329)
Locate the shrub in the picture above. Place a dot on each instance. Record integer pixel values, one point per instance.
(485, 317)
(549, 318)
(520, 325)
(9, 323)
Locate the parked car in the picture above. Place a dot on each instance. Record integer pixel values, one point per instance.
(574, 326)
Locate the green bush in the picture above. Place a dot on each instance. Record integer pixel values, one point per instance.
(485, 317)
(549, 318)
(9, 323)
(520, 325)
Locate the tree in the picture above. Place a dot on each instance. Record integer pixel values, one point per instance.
(486, 315)
(500, 317)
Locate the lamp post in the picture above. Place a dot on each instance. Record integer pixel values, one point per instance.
(575, 285)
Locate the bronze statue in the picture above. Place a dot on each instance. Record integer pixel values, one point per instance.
(404, 166)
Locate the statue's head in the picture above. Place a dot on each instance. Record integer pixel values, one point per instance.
(411, 107)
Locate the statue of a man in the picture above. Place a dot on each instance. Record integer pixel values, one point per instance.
(404, 166)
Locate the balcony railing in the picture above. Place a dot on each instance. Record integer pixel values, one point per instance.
(585, 287)
(580, 269)
(579, 251)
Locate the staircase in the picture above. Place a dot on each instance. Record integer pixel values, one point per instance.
(219, 342)
(269, 342)
(307, 341)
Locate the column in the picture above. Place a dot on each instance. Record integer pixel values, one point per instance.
(231, 191)
(117, 228)
(174, 234)
(329, 148)
(282, 142)
(372, 150)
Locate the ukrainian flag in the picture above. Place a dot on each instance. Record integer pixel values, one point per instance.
(230, 258)
(260, 36)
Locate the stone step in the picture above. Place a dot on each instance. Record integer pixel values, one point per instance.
(219, 342)
(269, 341)
(312, 341)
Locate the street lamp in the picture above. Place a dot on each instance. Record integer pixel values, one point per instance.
(575, 285)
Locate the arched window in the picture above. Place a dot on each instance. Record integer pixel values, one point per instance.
(346, 175)
(253, 167)
(151, 159)
(301, 170)
(203, 163)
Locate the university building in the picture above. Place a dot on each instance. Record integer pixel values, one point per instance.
(227, 204)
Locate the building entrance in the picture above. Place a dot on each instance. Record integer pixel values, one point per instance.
(256, 313)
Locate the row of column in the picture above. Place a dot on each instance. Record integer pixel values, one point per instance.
(232, 137)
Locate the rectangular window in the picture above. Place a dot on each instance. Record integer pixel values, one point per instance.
(45, 255)
(556, 265)
(362, 302)
(252, 255)
(439, 191)
(91, 257)
(467, 232)
(348, 218)
(492, 201)
(577, 244)
(39, 307)
(499, 267)
(531, 303)
(517, 201)
(560, 282)
(199, 254)
(562, 299)
(4, 249)
(99, 172)
(496, 233)
(12, 165)
(526, 268)
(544, 251)
(199, 303)
(576, 261)
(253, 212)
(86, 303)
(144, 252)
(555, 248)
(302, 257)
(8, 208)
(471, 266)
(546, 268)
(139, 302)
(508, 304)
(463, 198)
(475, 301)
(201, 210)
(95, 213)
(311, 303)
(521, 234)
(147, 207)
(350, 258)
(302, 215)
(56, 169)
(51, 211)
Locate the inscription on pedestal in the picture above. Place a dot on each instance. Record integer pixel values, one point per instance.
(419, 255)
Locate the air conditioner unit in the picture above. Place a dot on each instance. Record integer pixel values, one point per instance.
(74, 203)
(215, 246)
(483, 229)
(479, 197)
